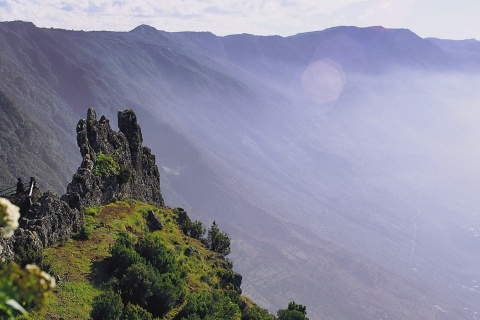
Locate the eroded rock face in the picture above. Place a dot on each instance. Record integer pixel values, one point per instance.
(52, 219)
(137, 176)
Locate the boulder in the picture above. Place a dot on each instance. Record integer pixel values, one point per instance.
(153, 221)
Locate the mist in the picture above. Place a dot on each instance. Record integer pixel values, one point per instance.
(387, 170)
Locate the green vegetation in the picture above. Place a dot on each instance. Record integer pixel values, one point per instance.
(218, 241)
(122, 270)
(108, 306)
(22, 288)
(146, 274)
(293, 312)
(89, 223)
(193, 229)
(105, 165)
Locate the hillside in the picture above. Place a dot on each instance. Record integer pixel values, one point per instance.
(84, 267)
(343, 162)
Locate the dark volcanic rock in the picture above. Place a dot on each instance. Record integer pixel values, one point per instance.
(52, 219)
(137, 176)
(237, 281)
(154, 221)
(48, 221)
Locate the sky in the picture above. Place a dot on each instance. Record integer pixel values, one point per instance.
(446, 19)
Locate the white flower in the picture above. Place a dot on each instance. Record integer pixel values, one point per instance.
(49, 279)
(9, 215)
(44, 278)
(33, 268)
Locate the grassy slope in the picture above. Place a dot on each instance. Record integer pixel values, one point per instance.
(81, 266)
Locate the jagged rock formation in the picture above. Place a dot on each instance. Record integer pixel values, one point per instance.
(49, 220)
(135, 176)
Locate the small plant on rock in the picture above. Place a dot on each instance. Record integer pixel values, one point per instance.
(105, 165)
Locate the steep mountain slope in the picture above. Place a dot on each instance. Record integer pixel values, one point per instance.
(21, 148)
(342, 162)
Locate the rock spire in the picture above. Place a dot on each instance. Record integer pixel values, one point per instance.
(133, 173)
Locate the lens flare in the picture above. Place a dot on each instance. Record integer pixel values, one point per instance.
(323, 81)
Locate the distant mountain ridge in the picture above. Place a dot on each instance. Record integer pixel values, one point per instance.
(301, 146)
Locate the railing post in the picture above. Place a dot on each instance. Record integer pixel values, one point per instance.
(20, 187)
(32, 185)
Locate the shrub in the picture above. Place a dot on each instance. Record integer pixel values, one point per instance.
(143, 285)
(91, 211)
(84, 233)
(105, 165)
(293, 312)
(24, 256)
(125, 240)
(135, 312)
(230, 279)
(210, 305)
(218, 241)
(137, 284)
(107, 306)
(156, 253)
(123, 257)
(87, 227)
(181, 215)
(168, 289)
(193, 229)
(256, 313)
(148, 275)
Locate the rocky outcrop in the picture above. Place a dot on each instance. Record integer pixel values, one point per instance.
(115, 166)
(48, 221)
(135, 175)
(153, 221)
(52, 220)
